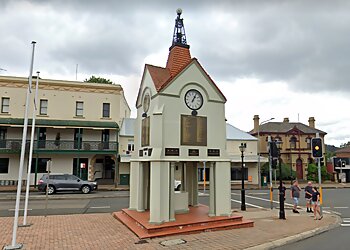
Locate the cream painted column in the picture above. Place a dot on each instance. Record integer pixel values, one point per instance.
(212, 198)
(195, 184)
(159, 192)
(189, 182)
(172, 191)
(134, 176)
(140, 189)
(183, 177)
(222, 189)
(145, 188)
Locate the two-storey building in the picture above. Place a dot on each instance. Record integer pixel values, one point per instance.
(77, 128)
(295, 138)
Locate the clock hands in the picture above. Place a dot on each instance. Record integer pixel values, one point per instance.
(194, 97)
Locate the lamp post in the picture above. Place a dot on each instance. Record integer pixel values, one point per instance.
(259, 168)
(281, 214)
(242, 148)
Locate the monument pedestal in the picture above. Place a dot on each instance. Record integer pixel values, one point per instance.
(195, 221)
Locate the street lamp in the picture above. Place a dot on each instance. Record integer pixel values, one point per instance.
(259, 168)
(282, 214)
(242, 148)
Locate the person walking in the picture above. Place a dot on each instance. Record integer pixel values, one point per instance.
(295, 195)
(308, 197)
(316, 203)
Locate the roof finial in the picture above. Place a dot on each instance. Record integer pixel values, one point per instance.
(179, 37)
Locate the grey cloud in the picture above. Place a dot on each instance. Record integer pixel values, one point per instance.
(303, 43)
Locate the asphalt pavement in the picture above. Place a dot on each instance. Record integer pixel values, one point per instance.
(102, 202)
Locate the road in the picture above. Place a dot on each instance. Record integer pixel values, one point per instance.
(335, 201)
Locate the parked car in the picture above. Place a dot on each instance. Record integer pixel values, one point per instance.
(65, 182)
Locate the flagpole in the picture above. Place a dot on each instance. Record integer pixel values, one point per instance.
(31, 153)
(14, 245)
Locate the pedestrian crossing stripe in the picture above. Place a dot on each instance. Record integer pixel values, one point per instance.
(346, 222)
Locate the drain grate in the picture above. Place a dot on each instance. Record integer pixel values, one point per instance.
(141, 242)
(174, 242)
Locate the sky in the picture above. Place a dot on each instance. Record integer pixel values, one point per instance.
(269, 58)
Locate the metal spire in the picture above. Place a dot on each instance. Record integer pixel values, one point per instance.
(179, 37)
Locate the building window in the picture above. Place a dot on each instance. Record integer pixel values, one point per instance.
(293, 142)
(5, 105)
(308, 143)
(106, 110)
(3, 132)
(131, 146)
(79, 109)
(236, 174)
(78, 138)
(4, 165)
(42, 138)
(43, 107)
(41, 168)
(105, 139)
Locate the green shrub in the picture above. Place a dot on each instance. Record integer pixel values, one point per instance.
(286, 171)
(312, 173)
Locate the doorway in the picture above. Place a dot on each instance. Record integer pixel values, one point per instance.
(299, 168)
(80, 168)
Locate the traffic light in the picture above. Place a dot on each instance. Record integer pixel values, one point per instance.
(316, 144)
(343, 164)
(273, 150)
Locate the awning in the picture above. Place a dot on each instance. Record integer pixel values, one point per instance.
(18, 122)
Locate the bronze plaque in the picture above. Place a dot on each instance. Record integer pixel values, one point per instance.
(145, 133)
(172, 151)
(193, 152)
(213, 152)
(193, 130)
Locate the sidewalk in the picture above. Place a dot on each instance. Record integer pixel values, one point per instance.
(102, 231)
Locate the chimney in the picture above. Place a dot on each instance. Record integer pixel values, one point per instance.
(256, 122)
(312, 122)
(286, 119)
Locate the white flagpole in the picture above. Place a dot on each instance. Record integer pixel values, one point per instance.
(31, 152)
(20, 171)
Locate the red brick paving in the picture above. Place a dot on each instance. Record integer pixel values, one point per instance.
(195, 221)
(102, 231)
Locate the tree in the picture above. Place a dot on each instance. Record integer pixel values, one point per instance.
(312, 173)
(345, 144)
(286, 171)
(94, 79)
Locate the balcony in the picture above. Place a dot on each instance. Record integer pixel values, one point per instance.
(61, 146)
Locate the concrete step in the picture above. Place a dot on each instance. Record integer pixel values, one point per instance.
(137, 222)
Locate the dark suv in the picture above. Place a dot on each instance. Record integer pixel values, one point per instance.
(65, 182)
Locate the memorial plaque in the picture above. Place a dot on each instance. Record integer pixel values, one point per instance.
(172, 152)
(145, 133)
(193, 152)
(213, 152)
(193, 130)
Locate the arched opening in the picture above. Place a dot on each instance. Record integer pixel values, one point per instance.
(299, 168)
(293, 142)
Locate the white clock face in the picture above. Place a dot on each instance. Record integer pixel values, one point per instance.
(194, 99)
(146, 102)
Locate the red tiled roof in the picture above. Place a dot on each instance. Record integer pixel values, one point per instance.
(159, 75)
(343, 150)
(177, 59)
